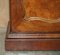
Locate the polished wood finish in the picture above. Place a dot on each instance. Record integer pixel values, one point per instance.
(32, 44)
(21, 10)
(49, 9)
(40, 33)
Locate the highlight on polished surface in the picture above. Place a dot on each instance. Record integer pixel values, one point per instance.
(42, 19)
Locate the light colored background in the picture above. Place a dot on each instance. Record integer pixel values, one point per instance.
(4, 18)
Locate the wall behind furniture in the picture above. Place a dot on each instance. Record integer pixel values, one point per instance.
(4, 13)
(4, 18)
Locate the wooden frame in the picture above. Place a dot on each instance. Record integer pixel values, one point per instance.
(16, 40)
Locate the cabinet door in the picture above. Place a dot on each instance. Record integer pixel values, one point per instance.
(36, 17)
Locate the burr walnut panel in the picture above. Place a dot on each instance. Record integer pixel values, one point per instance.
(49, 9)
(35, 16)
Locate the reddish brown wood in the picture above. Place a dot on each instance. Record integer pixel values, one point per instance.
(32, 44)
(20, 9)
(18, 24)
(33, 35)
(16, 13)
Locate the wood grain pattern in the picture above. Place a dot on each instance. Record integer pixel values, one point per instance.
(49, 9)
(21, 9)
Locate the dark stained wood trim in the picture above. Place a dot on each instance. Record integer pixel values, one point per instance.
(32, 44)
(24, 35)
(15, 7)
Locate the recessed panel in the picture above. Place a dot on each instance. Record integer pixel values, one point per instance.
(33, 16)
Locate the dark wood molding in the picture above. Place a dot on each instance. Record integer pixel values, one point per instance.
(22, 36)
(34, 36)
(32, 44)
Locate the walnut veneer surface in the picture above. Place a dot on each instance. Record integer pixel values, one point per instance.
(23, 9)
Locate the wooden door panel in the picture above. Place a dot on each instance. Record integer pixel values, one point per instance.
(35, 16)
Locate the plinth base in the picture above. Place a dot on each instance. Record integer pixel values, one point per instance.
(32, 44)
(22, 42)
